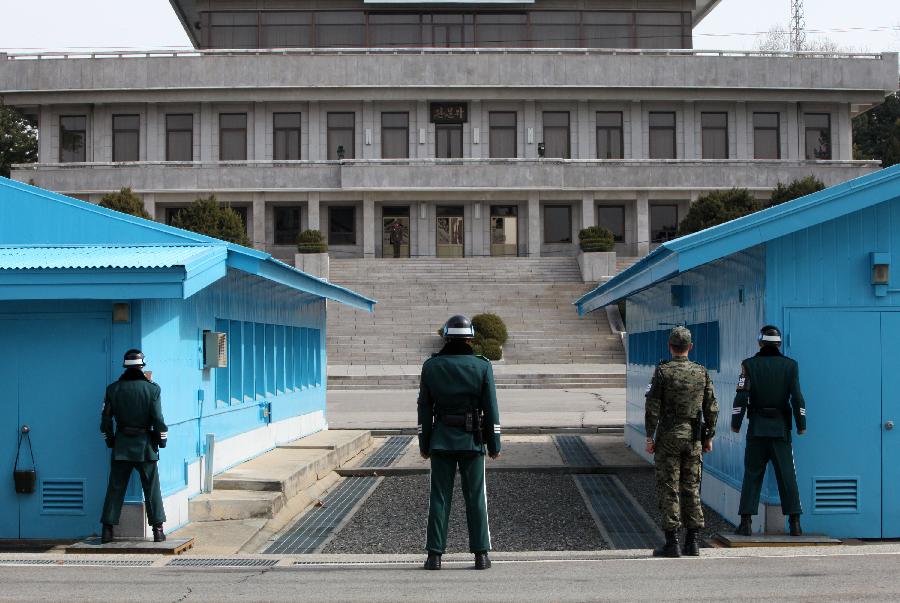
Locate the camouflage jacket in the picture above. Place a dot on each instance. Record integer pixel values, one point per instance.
(680, 389)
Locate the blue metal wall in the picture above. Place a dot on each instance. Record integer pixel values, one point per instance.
(171, 339)
(731, 292)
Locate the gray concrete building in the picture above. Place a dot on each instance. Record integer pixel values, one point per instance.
(489, 128)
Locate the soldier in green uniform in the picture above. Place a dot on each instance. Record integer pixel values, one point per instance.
(680, 421)
(768, 391)
(133, 404)
(458, 416)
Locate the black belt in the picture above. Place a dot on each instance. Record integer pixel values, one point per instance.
(132, 431)
(453, 420)
(769, 412)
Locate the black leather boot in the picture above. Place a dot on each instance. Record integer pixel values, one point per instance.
(482, 562)
(433, 562)
(158, 534)
(691, 543)
(670, 548)
(745, 529)
(107, 534)
(794, 524)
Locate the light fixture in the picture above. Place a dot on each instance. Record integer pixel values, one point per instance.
(476, 135)
(121, 312)
(477, 208)
(423, 211)
(541, 150)
(422, 136)
(368, 136)
(881, 272)
(530, 136)
(340, 152)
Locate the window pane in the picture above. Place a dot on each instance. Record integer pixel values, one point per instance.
(287, 120)
(394, 30)
(502, 134)
(556, 134)
(233, 136)
(448, 141)
(557, 224)
(72, 138)
(341, 133)
(555, 29)
(609, 135)
(126, 137)
(607, 29)
(287, 225)
(340, 29)
(179, 122)
(765, 120)
(659, 30)
(714, 135)
(395, 135)
(612, 218)
(662, 135)
(556, 119)
(286, 136)
(662, 120)
(818, 135)
(663, 222)
(342, 226)
(285, 29)
(233, 30)
(817, 120)
(179, 137)
(233, 120)
(506, 30)
(714, 120)
(609, 119)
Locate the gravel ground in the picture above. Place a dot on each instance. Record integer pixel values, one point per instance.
(528, 512)
(642, 486)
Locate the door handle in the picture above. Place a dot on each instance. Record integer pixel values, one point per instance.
(889, 425)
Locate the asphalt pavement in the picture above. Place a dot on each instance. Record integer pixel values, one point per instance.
(863, 575)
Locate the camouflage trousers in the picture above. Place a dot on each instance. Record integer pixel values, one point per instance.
(678, 473)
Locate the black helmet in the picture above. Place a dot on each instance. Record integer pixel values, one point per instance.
(458, 327)
(770, 335)
(134, 359)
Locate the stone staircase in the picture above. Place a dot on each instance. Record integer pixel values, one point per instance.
(502, 381)
(415, 296)
(624, 263)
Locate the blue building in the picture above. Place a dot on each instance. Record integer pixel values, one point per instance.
(79, 285)
(819, 267)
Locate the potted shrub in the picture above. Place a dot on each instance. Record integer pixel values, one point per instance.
(490, 335)
(596, 256)
(312, 253)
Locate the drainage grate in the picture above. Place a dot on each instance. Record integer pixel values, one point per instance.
(29, 562)
(314, 528)
(574, 451)
(193, 562)
(620, 517)
(389, 452)
(81, 562)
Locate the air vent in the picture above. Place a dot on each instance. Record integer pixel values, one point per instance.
(62, 497)
(836, 495)
(215, 350)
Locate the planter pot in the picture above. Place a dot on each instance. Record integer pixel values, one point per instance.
(597, 265)
(315, 264)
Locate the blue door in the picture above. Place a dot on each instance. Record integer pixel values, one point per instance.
(839, 460)
(9, 424)
(62, 370)
(890, 435)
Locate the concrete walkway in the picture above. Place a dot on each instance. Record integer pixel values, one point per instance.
(395, 409)
(500, 368)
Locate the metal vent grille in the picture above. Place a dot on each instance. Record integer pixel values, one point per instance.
(836, 495)
(62, 497)
(389, 452)
(195, 562)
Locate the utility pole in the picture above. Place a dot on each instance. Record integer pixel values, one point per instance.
(798, 24)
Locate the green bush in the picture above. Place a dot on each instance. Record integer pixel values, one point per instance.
(207, 217)
(490, 326)
(596, 238)
(311, 241)
(798, 188)
(126, 202)
(490, 349)
(718, 207)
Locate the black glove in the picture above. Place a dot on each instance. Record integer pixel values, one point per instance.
(110, 442)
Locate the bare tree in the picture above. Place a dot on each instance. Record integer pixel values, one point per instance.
(778, 39)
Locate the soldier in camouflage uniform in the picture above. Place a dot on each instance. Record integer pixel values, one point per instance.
(680, 422)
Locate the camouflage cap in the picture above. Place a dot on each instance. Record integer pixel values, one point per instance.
(680, 337)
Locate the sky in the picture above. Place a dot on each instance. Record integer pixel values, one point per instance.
(870, 26)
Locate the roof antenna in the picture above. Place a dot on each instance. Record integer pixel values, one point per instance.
(798, 26)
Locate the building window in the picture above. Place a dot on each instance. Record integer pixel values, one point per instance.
(557, 224)
(126, 137)
(287, 225)
(285, 29)
(555, 29)
(607, 29)
(233, 30)
(501, 30)
(448, 141)
(340, 29)
(556, 134)
(233, 136)
(341, 134)
(661, 30)
(286, 136)
(342, 226)
(609, 135)
(72, 138)
(394, 30)
(502, 134)
(180, 137)
(663, 223)
(612, 218)
(451, 31)
(714, 134)
(766, 136)
(818, 135)
(662, 135)
(395, 135)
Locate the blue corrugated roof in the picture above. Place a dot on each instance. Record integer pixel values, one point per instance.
(699, 248)
(91, 256)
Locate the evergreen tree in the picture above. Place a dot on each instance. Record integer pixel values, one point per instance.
(876, 133)
(18, 139)
(798, 188)
(126, 202)
(718, 207)
(207, 216)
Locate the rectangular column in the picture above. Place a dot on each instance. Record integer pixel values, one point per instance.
(150, 204)
(637, 131)
(583, 133)
(369, 150)
(312, 211)
(258, 234)
(47, 153)
(206, 133)
(427, 230)
(151, 134)
(741, 125)
(477, 148)
(368, 225)
(843, 136)
(642, 224)
(588, 212)
(534, 225)
(314, 152)
(530, 118)
(692, 150)
(792, 132)
(421, 148)
(259, 133)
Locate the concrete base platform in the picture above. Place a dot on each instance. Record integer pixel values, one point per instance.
(775, 540)
(172, 546)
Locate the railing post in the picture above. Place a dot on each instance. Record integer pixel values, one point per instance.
(210, 458)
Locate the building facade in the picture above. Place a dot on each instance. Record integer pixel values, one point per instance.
(485, 128)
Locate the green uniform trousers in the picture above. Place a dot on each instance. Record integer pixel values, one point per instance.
(679, 470)
(119, 474)
(443, 473)
(757, 454)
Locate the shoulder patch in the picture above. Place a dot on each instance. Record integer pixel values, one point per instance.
(485, 358)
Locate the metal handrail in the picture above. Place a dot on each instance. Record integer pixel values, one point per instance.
(190, 52)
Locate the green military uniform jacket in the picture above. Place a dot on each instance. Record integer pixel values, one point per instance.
(134, 406)
(769, 390)
(455, 381)
(679, 390)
